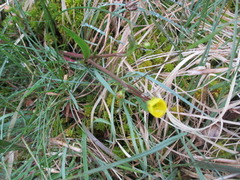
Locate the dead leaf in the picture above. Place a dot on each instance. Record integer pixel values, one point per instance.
(232, 114)
(212, 132)
(68, 113)
(29, 102)
(201, 70)
(52, 94)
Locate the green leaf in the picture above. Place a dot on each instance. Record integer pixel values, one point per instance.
(81, 43)
(6, 146)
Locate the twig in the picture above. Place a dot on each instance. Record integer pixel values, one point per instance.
(76, 55)
(127, 87)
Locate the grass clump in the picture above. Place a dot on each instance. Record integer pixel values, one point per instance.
(74, 101)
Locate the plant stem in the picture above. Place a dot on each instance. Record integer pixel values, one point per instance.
(127, 87)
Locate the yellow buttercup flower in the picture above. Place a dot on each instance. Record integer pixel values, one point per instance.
(157, 107)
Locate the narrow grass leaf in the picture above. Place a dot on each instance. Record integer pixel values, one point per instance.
(135, 170)
(48, 17)
(113, 13)
(131, 128)
(101, 120)
(198, 170)
(6, 146)
(101, 32)
(63, 168)
(101, 163)
(6, 116)
(173, 174)
(129, 102)
(36, 161)
(81, 43)
(206, 38)
(157, 15)
(112, 121)
(103, 82)
(2, 67)
(84, 155)
(142, 103)
(32, 88)
(73, 100)
(155, 149)
(214, 166)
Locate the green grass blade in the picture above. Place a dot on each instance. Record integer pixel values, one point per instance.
(214, 166)
(85, 154)
(206, 38)
(6, 146)
(155, 149)
(103, 82)
(101, 120)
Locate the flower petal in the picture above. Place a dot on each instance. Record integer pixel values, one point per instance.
(157, 107)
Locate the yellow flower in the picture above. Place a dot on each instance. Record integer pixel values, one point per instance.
(157, 107)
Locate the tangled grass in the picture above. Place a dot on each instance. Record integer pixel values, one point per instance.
(66, 117)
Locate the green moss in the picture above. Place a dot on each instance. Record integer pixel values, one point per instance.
(156, 43)
(76, 16)
(215, 89)
(50, 38)
(117, 150)
(54, 7)
(109, 99)
(74, 132)
(221, 153)
(87, 110)
(145, 64)
(169, 67)
(167, 47)
(10, 26)
(231, 5)
(178, 109)
(72, 17)
(100, 126)
(162, 39)
(198, 94)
